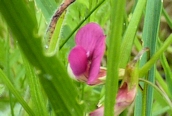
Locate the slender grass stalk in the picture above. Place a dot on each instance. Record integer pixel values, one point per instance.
(15, 93)
(35, 90)
(129, 35)
(138, 103)
(163, 110)
(54, 41)
(11, 104)
(56, 17)
(117, 15)
(8, 73)
(89, 14)
(155, 57)
(150, 32)
(139, 97)
(167, 17)
(167, 70)
(164, 95)
(161, 82)
(137, 44)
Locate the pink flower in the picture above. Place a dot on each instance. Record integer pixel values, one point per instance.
(124, 99)
(85, 58)
(127, 91)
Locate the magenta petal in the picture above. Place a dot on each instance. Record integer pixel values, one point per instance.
(92, 39)
(95, 64)
(125, 98)
(98, 80)
(97, 112)
(78, 60)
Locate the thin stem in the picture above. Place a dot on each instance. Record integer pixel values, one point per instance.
(168, 101)
(155, 57)
(130, 33)
(117, 11)
(15, 93)
(8, 72)
(167, 17)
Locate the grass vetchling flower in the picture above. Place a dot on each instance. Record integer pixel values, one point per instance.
(85, 58)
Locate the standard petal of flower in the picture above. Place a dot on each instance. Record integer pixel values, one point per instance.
(78, 60)
(90, 37)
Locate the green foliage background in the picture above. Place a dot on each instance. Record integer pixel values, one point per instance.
(34, 81)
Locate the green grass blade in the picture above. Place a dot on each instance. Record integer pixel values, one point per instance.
(59, 106)
(164, 95)
(111, 86)
(162, 111)
(129, 35)
(8, 72)
(51, 69)
(138, 103)
(35, 90)
(54, 41)
(15, 93)
(168, 73)
(150, 32)
(163, 84)
(167, 17)
(155, 57)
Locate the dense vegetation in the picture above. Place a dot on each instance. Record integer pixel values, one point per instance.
(33, 61)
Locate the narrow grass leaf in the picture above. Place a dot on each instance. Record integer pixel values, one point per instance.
(161, 82)
(15, 93)
(7, 71)
(130, 33)
(111, 86)
(167, 17)
(150, 32)
(161, 112)
(168, 73)
(59, 106)
(155, 57)
(164, 95)
(54, 42)
(35, 91)
(138, 103)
